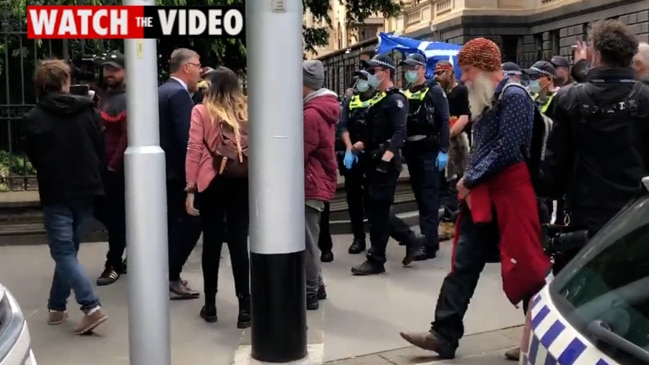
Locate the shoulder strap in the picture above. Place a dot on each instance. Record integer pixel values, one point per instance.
(498, 97)
(511, 84)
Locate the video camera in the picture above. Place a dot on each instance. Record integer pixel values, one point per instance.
(85, 68)
(559, 239)
(87, 74)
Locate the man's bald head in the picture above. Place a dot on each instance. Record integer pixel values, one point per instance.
(641, 61)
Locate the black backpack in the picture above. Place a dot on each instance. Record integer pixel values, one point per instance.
(540, 132)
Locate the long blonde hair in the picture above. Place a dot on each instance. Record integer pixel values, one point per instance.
(225, 101)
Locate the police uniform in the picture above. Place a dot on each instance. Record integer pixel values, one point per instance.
(427, 136)
(386, 130)
(543, 101)
(353, 121)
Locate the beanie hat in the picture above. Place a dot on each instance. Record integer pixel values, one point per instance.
(313, 74)
(481, 53)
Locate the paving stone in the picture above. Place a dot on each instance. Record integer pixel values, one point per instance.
(473, 348)
(363, 360)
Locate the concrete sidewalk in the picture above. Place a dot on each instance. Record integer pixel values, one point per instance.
(362, 315)
(486, 348)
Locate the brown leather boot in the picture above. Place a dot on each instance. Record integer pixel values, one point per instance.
(431, 342)
(513, 354)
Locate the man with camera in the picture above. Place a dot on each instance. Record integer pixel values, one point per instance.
(597, 151)
(112, 110)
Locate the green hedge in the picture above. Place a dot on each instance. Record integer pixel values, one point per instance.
(13, 165)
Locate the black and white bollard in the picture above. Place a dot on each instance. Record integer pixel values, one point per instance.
(274, 44)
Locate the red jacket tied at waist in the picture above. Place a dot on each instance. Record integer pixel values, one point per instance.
(524, 265)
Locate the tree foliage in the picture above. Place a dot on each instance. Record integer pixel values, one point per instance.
(229, 52)
(356, 12)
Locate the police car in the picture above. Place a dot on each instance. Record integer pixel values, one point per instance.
(15, 342)
(596, 311)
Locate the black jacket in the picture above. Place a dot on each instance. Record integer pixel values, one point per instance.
(610, 150)
(64, 142)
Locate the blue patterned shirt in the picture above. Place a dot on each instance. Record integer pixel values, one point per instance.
(500, 135)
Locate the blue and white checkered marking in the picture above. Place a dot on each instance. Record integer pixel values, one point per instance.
(554, 342)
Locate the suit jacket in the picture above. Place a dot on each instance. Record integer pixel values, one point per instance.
(198, 97)
(175, 108)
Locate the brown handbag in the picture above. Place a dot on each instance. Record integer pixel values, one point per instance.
(230, 158)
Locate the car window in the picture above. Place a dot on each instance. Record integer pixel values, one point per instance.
(608, 284)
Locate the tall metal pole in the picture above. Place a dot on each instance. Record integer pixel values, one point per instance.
(146, 208)
(274, 43)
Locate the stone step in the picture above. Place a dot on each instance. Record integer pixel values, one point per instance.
(23, 234)
(21, 222)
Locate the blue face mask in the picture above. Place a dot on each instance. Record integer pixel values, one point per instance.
(534, 86)
(411, 76)
(362, 86)
(373, 81)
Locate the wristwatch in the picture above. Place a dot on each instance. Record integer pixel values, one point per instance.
(190, 190)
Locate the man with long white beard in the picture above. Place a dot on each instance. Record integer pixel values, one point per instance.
(499, 213)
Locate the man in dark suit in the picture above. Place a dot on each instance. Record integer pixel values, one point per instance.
(175, 105)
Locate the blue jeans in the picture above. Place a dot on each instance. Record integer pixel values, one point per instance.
(64, 224)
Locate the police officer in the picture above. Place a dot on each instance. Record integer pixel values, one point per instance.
(426, 146)
(352, 160)
(513, 72)
(354, 131)
(541, 86)
(386, 133)
(562, 65)
(542, 76)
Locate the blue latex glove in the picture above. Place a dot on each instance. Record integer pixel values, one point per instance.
(349, 160)
(442, 160)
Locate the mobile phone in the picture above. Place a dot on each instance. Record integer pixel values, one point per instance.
(81, 90)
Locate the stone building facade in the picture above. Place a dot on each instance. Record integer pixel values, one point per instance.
(525, 30)
(539, 33)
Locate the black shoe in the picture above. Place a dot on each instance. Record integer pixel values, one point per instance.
(412, 252)
(426, 254)
(368, 268)
(327, 256)
(244, 318)
(357, 247)
(208, 313)
(312, 302)
(109, 276)
(413, 249)
(322, 292)
(178, 290)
